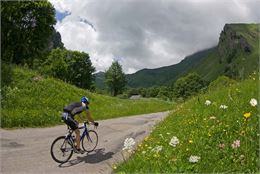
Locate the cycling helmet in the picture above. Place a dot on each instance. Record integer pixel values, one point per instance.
(84, 99)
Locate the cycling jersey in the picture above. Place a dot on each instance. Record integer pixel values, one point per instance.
(75, 108)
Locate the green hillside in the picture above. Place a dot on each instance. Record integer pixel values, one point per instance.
(100, 80)
(217, 136)
(33, 100)
(165, 75)
(236, 56)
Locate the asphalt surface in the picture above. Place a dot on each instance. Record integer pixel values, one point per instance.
(28, 150)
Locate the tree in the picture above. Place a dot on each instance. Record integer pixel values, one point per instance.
(70, 66)
(26, 30)
(55, 40)
(80, 69)
(188, 85)
(115, 78)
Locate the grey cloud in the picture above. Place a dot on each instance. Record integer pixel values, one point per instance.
(129, 28)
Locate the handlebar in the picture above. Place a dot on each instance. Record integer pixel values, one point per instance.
(87, 122)
(81, 127)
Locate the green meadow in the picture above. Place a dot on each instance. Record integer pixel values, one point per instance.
(33, 100)
(214, 132)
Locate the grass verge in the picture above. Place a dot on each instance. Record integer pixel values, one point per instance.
(211, 138)
(36, 101)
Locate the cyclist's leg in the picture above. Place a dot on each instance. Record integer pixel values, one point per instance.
(66, 117)
(77, 138)
(74, 126)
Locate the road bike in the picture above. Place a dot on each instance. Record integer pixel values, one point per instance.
(63, 147)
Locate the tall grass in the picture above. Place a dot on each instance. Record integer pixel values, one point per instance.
(224, 140)
(36, 101)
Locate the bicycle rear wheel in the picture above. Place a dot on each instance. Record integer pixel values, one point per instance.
(61, 150)
(90, 141)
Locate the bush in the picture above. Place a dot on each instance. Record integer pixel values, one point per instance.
(220, 82)
(70, 66)
(6, 74)
(188, 86)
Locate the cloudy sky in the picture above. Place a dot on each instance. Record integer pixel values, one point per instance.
(147, 33)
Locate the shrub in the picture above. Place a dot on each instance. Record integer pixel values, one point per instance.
(220, 82)
(188, 86)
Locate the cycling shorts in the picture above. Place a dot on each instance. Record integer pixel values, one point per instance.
(66, 117)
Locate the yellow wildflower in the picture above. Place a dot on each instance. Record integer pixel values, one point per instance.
(155, 155)
(247, 115)
(190, 141)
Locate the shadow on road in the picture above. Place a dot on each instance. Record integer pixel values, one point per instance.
(94, 157)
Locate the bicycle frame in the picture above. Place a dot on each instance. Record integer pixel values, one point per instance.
(85, 132)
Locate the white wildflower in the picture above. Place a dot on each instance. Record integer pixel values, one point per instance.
(208, 102)
(223, 107)
(128, 144)
(174, 141)
(157, 149)
(194, 159)
(253, 102)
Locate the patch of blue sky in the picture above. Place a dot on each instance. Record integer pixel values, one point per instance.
(61, 15)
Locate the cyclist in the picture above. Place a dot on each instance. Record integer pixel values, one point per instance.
(69, 113)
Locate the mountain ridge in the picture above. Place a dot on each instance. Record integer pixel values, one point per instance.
(235, 55)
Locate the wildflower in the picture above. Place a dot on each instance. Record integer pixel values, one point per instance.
(128, 144)
(190, 141)
(241, 157)
(221, 146)
(247, 115)
(223, 107)
(235, 144)
(253, 102)
(208, 102)
(174, 141)
(157, 149)
(212, 118)
(144, 152)
(155, 155)
(194, 159)
(114, 167)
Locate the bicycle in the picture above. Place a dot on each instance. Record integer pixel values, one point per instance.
(63, 147)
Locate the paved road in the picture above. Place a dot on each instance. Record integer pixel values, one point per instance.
(28, 150)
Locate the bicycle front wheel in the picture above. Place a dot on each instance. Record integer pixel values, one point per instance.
(90, 141)
(61, 150)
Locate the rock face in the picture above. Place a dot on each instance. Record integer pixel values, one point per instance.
(230, 43)
(236, 47)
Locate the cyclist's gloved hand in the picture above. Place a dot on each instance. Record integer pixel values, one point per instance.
(96, 124)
